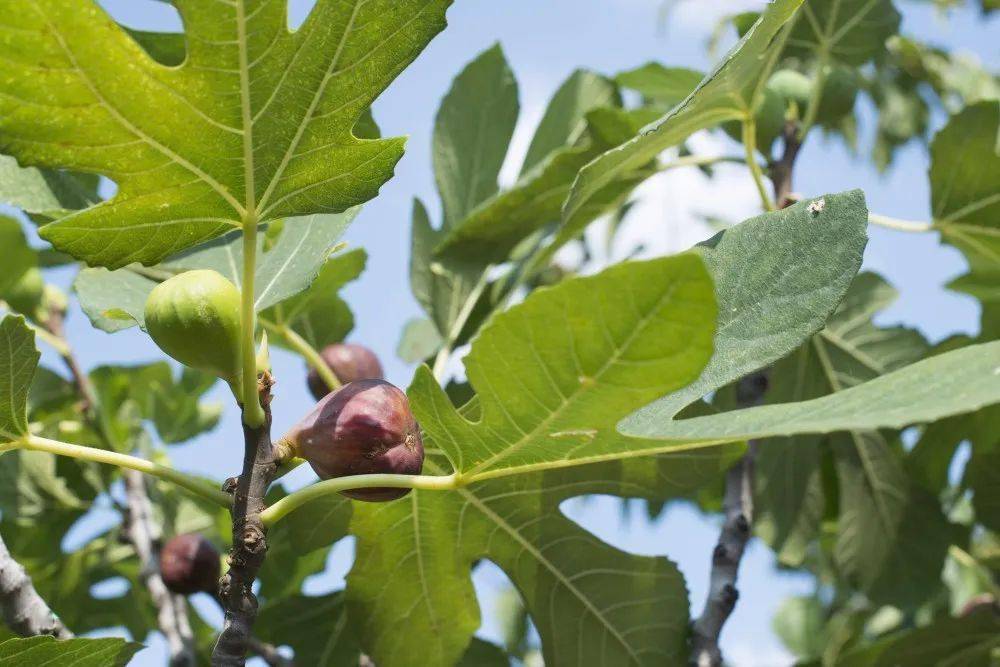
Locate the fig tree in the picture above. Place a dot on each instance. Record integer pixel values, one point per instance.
(195, 318)
(190, 564)
(349, 362)
(364, 427)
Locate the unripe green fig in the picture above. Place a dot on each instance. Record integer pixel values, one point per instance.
(25, 295)
(365, 427)
(190, 564)
(349, 362)
(792, 86)
(195, 318)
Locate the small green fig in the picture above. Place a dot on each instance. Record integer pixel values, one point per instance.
(792, 86)
(195, 318)
(349, 362)
(25, 295)
(190, 564)
(364, 427)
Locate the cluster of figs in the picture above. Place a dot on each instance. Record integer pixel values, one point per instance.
(363, 427)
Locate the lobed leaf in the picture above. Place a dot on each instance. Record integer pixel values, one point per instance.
(255, 125)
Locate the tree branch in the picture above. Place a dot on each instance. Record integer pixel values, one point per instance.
(737, 507)
(737, 502)
(781, 170)
(24, 610)
(171, 610)
(249, 536)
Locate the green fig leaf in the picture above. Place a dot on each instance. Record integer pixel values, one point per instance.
(255, 125)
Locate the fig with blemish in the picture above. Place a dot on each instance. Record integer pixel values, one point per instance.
(190, 564)
(350, 362)
(365, 427)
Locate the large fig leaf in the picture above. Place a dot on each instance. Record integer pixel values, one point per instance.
(411, 579)
(255, 124)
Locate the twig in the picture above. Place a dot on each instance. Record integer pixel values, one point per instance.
(171, 610)
(249, 536)
(24, 610)
(781, 170)
(138, 527)
(268, 653)
(737, 507)
(737, 502)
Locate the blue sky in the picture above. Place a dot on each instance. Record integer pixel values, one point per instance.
(545, 40)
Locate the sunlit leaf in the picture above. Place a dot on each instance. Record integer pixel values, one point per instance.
(256, 123)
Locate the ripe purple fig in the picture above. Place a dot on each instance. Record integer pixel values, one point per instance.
(190, 564)
(349, 362)
(364, 427)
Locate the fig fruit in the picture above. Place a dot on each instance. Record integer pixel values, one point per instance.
(349, 362)
(190, 564)
(364, 427)
(195, 318)
(25, 295)
(792, 86)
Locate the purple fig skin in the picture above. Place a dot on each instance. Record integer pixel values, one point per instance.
(190, 564)
(365, 427)
(350, 362)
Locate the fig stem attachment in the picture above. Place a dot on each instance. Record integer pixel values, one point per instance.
(192, 484)
(253, 413)
(302, 347)
(293, 501)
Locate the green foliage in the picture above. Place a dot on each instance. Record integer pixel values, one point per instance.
(218, 151)
(106, 652)
(580, 379)
(18, 359)
(965, 158)
(730, 92)
(963, 381)
(115, 300)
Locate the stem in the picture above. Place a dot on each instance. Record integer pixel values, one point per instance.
(253, 414)
(750, 146)
(171, 610)
(782, 170)
(249, 535)
(24, 610)
(722, 593)
(441, 360)
(899, 224)
(699, 161)
(736, 531)
(192, 484)
(307, 351)
(293, 501)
